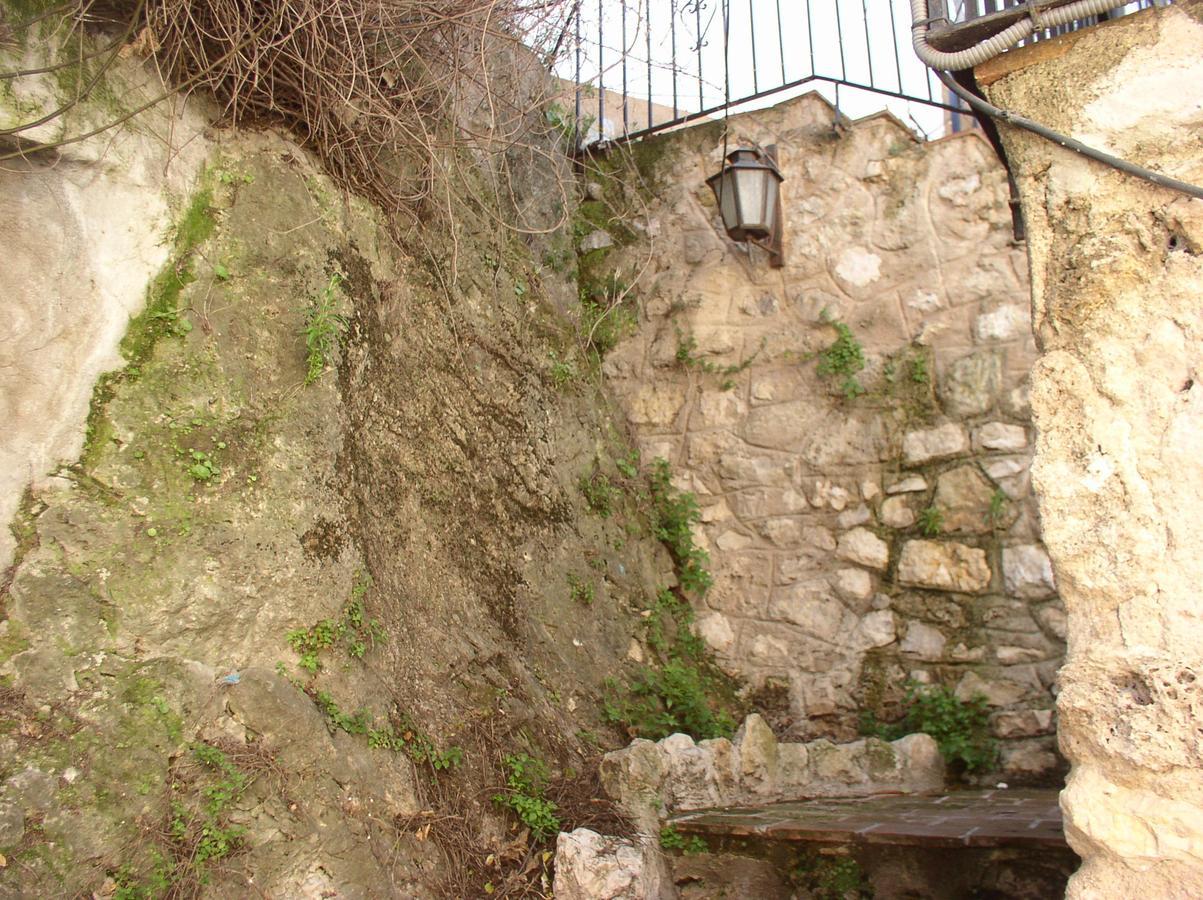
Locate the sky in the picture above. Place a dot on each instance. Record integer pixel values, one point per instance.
(771, 43)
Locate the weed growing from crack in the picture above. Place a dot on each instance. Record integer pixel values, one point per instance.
(843, 360)
(931, 520)
(323, 329)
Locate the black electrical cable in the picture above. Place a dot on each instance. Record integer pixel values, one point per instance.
(1069, 143)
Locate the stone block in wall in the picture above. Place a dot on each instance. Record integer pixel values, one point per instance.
(909, 484)
(923, 641)
(948, 566)
(896, 512)
(1029, 760)
(938, 609)
(854, 585)
(931, 444)
(633, 777)
(741, 467)
(810, 606)
(998, 691)
(1005, 323)
(876, 629)
(1022, 723)
(1004, 617)
(970, 386)
(862, 546)
(656, 405)
(963, 497)
(1028, 572)
(1000, 436)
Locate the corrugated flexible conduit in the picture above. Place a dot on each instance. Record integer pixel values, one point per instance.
(992, 47)
(1035, 21)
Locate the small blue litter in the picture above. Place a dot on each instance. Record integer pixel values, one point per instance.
(232, 678)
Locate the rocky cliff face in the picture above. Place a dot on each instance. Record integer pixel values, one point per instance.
(311, 556)
(1117, 273)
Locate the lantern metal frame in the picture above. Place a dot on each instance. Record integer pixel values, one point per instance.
(764, 159)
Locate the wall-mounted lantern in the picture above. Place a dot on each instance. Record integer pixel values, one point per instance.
(749, 199)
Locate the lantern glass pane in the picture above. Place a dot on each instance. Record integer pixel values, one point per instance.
(728, 203)
(752, 184)
(772, 186)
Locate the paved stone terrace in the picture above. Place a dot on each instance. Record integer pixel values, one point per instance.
(994, 818)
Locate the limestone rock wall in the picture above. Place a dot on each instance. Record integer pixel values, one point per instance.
(857, 542)
(1117, 276)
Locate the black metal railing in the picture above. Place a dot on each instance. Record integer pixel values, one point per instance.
(632, 67)
(638, 66)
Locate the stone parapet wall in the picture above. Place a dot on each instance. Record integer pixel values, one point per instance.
(858, 543)
(651, 779)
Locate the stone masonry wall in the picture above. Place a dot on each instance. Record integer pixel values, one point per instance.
(833, 586)
(1117, 278)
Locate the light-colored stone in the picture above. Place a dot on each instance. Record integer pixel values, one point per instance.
(970, 385)
(596, 240)
(1006, 467)
(633, 778)
(590, 866)
(854, 584)
(997, 691)
(946, 566)
(1028, 572)
(935, 443)
(1022, 723)
(715, 629)
(923, 641)
(757, 750)
(859, 515)
(911, 484)
(1000, 436)
(864, 547)
(963, 497)
(877, 629)
(1003, 324)
(896, 512)
(1028, 760)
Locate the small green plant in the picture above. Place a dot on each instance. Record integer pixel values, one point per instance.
(659, 701)
(580, 590)
(687, 358)
(323, 329)
(671, 839)
(600, 493)
(931, 520)
(998, 507)
(674, 514)
(829, 877)
(205, 788)
(525, 795)
(961, 728)
(353, 629)
(628, 466)
(919, 372)
(843, 360)
(563, 371)
(203, 467)
(606, 313)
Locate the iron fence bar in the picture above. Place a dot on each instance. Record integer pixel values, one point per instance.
(780, 41)
(647, 22)
(673, 33)
(697, 8)
(752, 27)
(576, 127)
(601, 74)
(626, 122)
(894, 42)
(839, 31)
(864, 14)
(810, 37)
